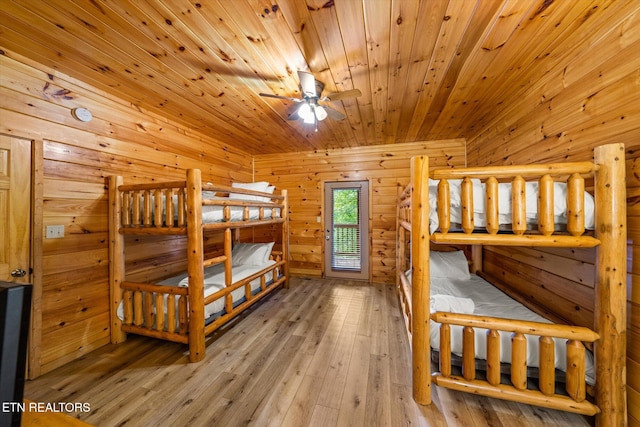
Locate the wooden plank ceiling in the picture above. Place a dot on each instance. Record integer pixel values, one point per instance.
(427, 70)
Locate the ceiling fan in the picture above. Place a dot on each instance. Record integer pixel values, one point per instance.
(310, 110)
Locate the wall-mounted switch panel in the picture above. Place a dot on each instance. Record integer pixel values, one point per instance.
(55, 231)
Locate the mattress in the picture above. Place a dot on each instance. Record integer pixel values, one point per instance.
(489, 301)
(214, 282)
(213, 214)
(504, 204)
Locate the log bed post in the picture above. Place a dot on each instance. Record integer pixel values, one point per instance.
(611, 286)
(476, 258)
(195, 268)
(116, 257)
(285, 237)
(420, 347)
(400, 242)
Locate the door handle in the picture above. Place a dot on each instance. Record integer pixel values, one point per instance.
(18, 272)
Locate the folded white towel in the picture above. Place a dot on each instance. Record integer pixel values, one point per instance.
(451, 304)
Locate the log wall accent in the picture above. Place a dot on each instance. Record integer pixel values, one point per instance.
(590, 99)
(76, 158)
(386, 167)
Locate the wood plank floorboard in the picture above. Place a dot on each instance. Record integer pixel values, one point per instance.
(322, 353)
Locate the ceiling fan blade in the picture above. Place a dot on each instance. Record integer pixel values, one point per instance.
(336, 96)
(269, 95)
(293, 115)
(307, 83)
(333, 114)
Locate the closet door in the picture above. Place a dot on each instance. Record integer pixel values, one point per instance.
(15, 209)
(346, 207)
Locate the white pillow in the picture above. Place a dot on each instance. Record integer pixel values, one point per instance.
(451, 304)
(270, 189)
(451, 265)
(255, 186)
(251, 253)
(211, 195)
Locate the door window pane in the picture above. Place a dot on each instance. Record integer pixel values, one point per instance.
(346, 253)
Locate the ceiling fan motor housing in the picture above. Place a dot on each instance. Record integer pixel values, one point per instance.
(319, 89)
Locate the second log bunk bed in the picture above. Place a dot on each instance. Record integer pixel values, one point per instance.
(180, 309)
(417, 234)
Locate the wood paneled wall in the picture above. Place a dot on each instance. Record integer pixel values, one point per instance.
(593, 98)
(558, 283)
(72, 162)
(385, 167)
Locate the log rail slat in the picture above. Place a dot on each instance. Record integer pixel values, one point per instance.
(555, 330)
(505, 392)
(526, 171)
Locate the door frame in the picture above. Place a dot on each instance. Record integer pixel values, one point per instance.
(35, 252)
(366, 272)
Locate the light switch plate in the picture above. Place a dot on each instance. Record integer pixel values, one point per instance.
(55, 231)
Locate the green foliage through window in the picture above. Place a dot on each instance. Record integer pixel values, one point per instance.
(345, 206)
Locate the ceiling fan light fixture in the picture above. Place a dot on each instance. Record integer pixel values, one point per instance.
(309, 119)
(305, 112)
(321, 113)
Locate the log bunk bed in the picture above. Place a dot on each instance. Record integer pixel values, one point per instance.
(179, 309)
(606, 397)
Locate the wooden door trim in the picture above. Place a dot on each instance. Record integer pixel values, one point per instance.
(37, 233)
(35, 251)
(325, 266)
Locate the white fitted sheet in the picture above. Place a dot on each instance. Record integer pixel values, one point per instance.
(492, 302)
(215, 213)
(214, 282)
(504, 204)
(212, 214)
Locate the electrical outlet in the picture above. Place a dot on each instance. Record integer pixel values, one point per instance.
(55, 231)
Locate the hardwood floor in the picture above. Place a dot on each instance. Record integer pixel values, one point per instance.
(322, 353)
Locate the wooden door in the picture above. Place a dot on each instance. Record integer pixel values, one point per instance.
(346, 208)
(15, 209)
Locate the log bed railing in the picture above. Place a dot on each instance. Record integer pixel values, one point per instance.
(609, 236)
(547, 174)
(150, 309)
(545, 394)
